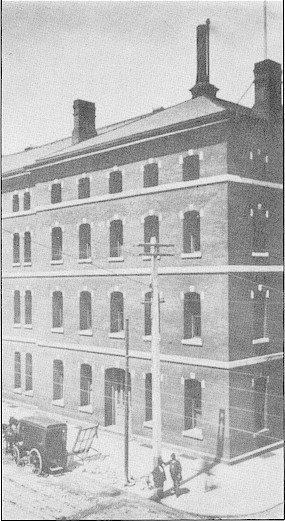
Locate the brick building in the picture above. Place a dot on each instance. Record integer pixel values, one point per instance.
(204, 175)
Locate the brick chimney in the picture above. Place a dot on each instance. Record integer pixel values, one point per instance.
(84, 121)
(203, 86)
(267, 80)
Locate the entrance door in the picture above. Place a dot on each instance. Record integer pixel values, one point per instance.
(119, 404)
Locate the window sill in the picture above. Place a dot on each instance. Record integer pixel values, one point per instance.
(85, 261)
(29, 393)
(27, 263)
(196, 434)
(147, 338)
(60, 261)
(58, 403)
(17, 325)
(259, 433)
(194, 255)
(260, 340)
(120, 335)
(148, 424)
(85, 332)
(192, 341)
(28, 326)
(146, 257)
(16, 264)
(260, 254)
(116, 259)
(86, 408)
(18, 390)
(57, 330)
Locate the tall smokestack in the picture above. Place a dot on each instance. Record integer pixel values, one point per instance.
(84, 121)
(203, 86)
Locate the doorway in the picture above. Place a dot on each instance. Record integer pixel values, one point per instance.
(115, 397)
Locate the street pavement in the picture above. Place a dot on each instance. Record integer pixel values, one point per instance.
(252, 489)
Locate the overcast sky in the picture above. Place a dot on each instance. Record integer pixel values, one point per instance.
(127, 57)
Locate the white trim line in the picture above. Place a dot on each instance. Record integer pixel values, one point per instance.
(169, 270)
(217, 364)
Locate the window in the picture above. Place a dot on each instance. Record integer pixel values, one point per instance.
(260, 314)
(260, 404)
(147, 313)
(151, 229)
(191, 167)
(148, 397)
(259, 230)
(85, 384)
(116, 238)
(117, 312)
(57, 380)
(27, 201)
(85, 241)
(85, 311)
(29, 372)
(56, 193)
(83, 187)
(17, 371)
(16, 248)
(28, 307)
(57, 309)
(115, 182)
(192, 403)
(150, 175)
(17, 307)
(191, 232)
(16, 203)
(192, 315)
(27, 247)
(56, 246)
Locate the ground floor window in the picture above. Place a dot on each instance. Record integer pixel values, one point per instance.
(192, 403)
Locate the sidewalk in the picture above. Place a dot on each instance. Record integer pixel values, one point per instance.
(207, 490)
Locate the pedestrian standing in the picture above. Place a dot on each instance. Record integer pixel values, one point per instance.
(159, 477)
(175, 472)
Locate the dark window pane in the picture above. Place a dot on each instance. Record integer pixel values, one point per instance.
(28, 307)
(56, 243)
(17, 307)
(85, 311)
(57, 309)
(148, 397)
(83, 188)
(259, 314)
(150, 177)
(117, 312)
(16, 205)
(192, 403)
(192, 315)
(57, 380)
(27, 247)
(84, 241)
(151, 229)
(56, 193)
(27, 201)
(115, 182)
(191, 167)
(16, 248)
(29, 372)
(191, 232)
(147, 314)
(116, 238)
(17, 371)
(85, 384)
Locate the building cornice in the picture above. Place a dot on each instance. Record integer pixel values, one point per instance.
(182, 185)
(144, 355)
(167, 270)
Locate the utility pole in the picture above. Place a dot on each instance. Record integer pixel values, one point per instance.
(127, 401)
(155, 344)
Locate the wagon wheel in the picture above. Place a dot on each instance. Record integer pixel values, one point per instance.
(16, 454)
(36, 461)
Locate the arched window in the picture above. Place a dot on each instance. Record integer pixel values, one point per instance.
(116, 238)
(28, 307)
(17, 307)
(27, 201)
(29, 372)
(56, 243)
(57, 380)
(151, 229)
(192, 403)
(57, 309)
(150, 175)
(148, 397)
(192, 315)
(147, 313)
(117, 312)
(191, 167)
(16, 204)
(259, 223)
(16, 248)
(85, 384)
(83, 187)
(85, 311)
(27, 247)
(85, 241)
(55, 193)
(115, 182)
(17, 370)
(191, 232)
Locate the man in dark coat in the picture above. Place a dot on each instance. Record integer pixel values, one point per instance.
(175, 472)
(159, 478)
